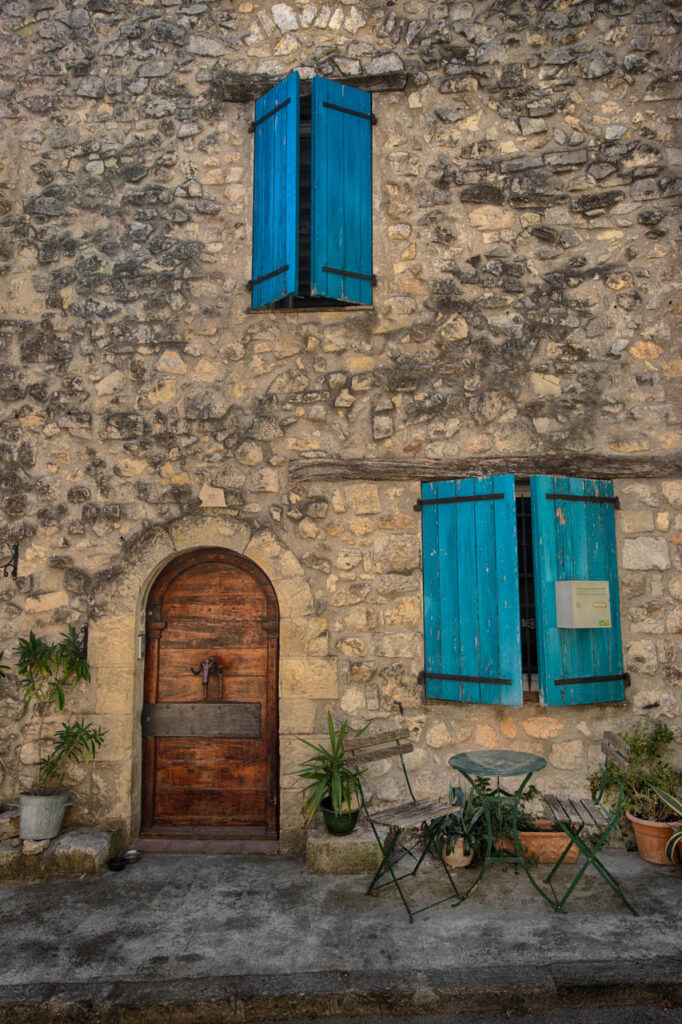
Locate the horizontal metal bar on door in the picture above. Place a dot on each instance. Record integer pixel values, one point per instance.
(594, 499)
(451, 501)
(231, 720)
(275, 110)
(584, 680)
(350, 273)
(356, 113)
(466, 679)
(266, 277)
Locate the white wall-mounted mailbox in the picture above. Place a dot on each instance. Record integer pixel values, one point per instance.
(583, 604)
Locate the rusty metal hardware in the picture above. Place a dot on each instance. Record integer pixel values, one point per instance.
(207, 666)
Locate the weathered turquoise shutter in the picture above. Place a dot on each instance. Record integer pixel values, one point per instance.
(472, 619)
(275, 194)
(341, 199)
(574, 538)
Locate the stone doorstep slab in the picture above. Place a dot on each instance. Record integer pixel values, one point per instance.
(78, 851)
(356, 854)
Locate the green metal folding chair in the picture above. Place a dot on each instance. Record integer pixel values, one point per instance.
(580, 818)
(409, 827)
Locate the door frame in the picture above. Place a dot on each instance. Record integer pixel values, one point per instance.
(271, 626)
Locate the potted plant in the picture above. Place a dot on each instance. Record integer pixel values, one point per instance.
(649, 772)
(540, 840)
(332, 785)
(674, 844)
(461, 835)
(47, 671)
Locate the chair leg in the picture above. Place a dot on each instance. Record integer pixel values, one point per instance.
(591, 858)
(563, 855)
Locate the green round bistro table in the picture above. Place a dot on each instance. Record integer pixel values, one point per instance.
(477, 766)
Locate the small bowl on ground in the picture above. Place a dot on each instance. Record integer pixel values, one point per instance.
(117, 863)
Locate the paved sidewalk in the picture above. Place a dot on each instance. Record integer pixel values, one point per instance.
(227, 938)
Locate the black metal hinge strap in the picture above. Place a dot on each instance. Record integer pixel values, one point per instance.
(585, 680)
(594, 499)
(450, 501)
(254, 124)
(464, 679)
(266, 277)
(350, 273)
(356, 113)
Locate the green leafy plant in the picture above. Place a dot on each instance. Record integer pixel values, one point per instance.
(328, 774)
(468, 821)
(675, 805)
(648, 772)
(47, 670)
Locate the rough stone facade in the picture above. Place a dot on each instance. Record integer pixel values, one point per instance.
(526, 217)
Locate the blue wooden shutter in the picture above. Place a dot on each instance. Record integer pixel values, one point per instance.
(472, 619)
(275, 194)
(341, 199)
(575, 540)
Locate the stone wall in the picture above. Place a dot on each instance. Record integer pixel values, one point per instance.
(526, 208)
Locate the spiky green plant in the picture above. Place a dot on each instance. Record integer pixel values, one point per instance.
(675, 804)
(46, 671)
(328, 773)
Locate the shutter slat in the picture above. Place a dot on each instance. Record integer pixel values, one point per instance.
(575, 540)
(275, 194)
(341, 200)
(471, 592)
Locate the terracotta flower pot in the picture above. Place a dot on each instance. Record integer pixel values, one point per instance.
(547, 845)
(458, 857)
(651, 837)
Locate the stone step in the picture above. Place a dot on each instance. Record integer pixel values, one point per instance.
(77, 851)
(356, 854)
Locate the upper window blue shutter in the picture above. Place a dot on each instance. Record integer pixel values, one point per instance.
(341, 199)
(575, 540)
(275, 194)
(472, 618)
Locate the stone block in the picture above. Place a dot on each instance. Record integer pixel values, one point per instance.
(397, 554)
(309, 677)
(9, 824)
(356, 854)
(297, 716)
(111, 641)
(363, 499)
(646, 553)
(82, 850)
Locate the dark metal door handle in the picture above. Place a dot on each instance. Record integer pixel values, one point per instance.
(207, 666)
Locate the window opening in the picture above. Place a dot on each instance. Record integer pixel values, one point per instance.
(303, 299)
(529, 646)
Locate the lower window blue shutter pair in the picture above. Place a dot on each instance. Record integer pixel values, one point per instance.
(341, 193)
(471, 590)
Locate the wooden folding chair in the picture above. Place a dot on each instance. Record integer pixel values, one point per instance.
(578, 818)
(414, 822)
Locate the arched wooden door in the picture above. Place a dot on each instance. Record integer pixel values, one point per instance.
(209, 724)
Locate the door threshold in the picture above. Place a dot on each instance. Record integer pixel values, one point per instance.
(178, 844)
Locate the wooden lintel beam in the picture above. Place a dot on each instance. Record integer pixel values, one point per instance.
(584, 464)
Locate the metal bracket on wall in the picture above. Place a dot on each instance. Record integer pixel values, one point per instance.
(12, 562)
(84, 632)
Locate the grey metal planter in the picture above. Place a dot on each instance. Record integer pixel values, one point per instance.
(41, 815)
